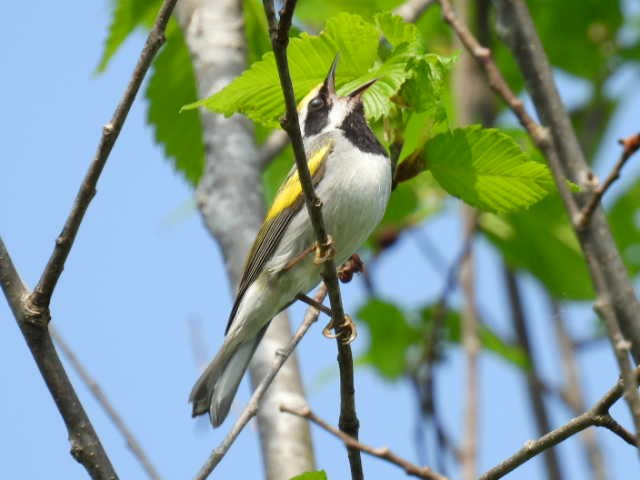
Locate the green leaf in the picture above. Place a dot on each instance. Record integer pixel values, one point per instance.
(257, 93)
(390, 335)
(171, 84)
(256, 30)
(126, 16)
(317, 475)
(624, 218)
(489, 339)
(541, 241)
(395, 29)
(487, 169)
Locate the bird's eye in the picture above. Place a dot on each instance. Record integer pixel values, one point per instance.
(316, 103)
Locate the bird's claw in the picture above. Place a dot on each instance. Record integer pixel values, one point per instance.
(347, 331)
(325, 251)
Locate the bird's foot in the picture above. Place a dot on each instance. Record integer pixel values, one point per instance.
(346, 331)
(324, 251)
(349, 268)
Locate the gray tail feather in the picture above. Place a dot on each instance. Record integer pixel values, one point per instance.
(217, 386)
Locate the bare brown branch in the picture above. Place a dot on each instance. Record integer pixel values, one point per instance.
(279, 31)
(251, 408)
(630, 145)
(105, 403)
(596, 416)
(31, 309)
(560, 146)
(85, 444)
(383, 453)
(41, 296)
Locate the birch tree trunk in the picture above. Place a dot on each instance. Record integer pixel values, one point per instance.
(230, 199)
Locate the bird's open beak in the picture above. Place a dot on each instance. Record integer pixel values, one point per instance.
(358, 92)
(330, 81)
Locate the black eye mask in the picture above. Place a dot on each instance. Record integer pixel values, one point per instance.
(317, 115)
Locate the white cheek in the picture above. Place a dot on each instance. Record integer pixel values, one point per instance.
(339, 111)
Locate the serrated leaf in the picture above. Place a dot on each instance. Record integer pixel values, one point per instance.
(256, 30)
(171, 84)
(395, 29)
(541, 241)
(317, 475)
(257, 93)
(126, 16)
(390, 335)
(487, 169)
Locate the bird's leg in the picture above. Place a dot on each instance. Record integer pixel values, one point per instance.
(346, 331)
(298, 258)
(324, 251)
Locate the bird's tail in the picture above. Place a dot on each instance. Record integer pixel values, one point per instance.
(216, 387)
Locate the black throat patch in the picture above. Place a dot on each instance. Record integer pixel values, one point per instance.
(355, 128)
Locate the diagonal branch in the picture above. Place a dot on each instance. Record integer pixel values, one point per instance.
(41, 296)
(598, 415)
(383, 453)
(85, 444)
(279, 32)
(616, 302)
(31, 309)
(105, 403)
(630, 145)
(251, 409)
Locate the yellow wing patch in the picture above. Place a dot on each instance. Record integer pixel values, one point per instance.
(292, 188)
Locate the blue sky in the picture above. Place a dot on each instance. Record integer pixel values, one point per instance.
(143, 267)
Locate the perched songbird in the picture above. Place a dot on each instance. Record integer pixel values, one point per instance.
(352, 177)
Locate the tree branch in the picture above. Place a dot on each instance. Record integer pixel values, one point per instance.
(608, 273)
(383, 453)
(595, 416)
(630, 145)
(31, 309)
(471, 345)
(534, 386)
(41, 296)
(561, 148)
(411, 10)
(279, 31)
(572, 393)
(251, 408)
(85, 444)
(106, 405)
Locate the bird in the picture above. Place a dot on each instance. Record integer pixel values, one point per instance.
(352, 177)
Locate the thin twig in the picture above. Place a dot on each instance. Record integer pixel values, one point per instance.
(615, 293)
(85, 443)
(595, 416)
(106, 404)
(41, 296)
(313, 303)
(534, 386)
(31, 309)
(251, 409)
(471, 344)
(566, 159)
(572, 394)
(279, 32)
(630, 145)
(383, 453)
